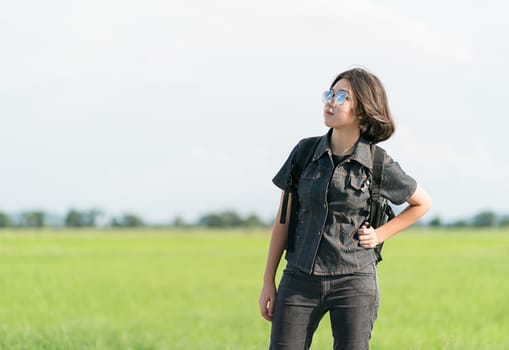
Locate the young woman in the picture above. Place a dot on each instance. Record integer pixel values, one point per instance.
(331, 266)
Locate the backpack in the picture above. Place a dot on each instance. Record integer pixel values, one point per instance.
(380, 210)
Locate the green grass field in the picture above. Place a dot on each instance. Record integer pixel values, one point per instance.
(159, 289)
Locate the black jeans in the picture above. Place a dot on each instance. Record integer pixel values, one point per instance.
(352, 301)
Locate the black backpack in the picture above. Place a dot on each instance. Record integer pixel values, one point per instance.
(380, 210)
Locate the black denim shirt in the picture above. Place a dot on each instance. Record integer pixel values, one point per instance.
(334, 203)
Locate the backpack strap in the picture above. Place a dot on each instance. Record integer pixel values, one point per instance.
(284, 208)
(378, 167)
(298, 164)
(380, 210)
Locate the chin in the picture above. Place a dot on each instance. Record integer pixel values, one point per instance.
(328, 123)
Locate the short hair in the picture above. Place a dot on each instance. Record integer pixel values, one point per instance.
(370, 104)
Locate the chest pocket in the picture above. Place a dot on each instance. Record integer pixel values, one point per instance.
(358, 189)
(309, 183)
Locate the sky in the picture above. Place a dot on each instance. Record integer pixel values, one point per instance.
(166, 108)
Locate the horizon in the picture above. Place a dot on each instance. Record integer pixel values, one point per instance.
(104, 218)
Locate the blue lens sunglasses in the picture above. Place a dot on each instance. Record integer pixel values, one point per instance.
(339, 97)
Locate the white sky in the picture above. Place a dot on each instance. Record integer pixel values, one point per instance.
(181, 107)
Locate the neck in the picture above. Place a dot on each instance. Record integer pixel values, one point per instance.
(342, 141)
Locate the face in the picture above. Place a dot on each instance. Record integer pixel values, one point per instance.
(341, 115)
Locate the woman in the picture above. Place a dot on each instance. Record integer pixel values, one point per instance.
(331, 266)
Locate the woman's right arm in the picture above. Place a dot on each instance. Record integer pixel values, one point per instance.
(276, 247)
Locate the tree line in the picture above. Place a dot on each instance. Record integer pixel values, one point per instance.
(90, 218)
(486, 218)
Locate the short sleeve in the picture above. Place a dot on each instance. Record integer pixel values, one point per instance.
(283, 178)
(396, 185)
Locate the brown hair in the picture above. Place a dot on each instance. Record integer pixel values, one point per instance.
(370, 104)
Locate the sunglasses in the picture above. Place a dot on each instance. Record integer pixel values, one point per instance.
(339, 97)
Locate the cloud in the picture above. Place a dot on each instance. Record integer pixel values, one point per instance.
(173, 40)
(324, 24)
(471, 160)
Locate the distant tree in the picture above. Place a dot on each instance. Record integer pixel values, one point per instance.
(459, 223)
(115, 223)
(32, 219)
(90, 217)
(131, 220)
(179, 222)
(228, 218)
(253, 220)
(485, 219)
(75, 218)
(504, 222)
(5, 220)
(211, 220)
(435, 222)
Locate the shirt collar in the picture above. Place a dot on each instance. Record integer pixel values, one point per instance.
(361, 153)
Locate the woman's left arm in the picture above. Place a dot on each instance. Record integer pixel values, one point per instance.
(419, 204)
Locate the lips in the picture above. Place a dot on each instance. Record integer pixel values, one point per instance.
(329, 112)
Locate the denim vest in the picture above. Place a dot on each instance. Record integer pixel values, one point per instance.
(334, 203)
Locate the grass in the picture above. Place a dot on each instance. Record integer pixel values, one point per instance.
(155, 289)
